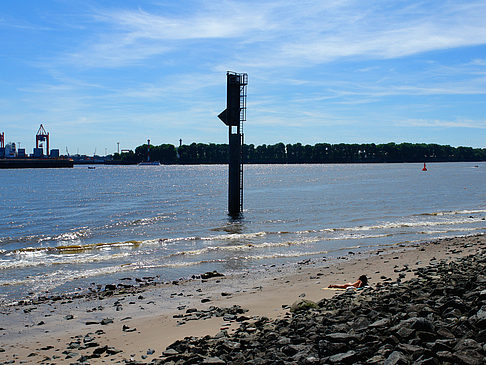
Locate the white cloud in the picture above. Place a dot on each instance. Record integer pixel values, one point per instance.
(281, 33)
(437, 123)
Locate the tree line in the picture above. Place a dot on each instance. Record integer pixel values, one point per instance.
(200, 153)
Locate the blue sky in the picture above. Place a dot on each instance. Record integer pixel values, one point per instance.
(101, 72)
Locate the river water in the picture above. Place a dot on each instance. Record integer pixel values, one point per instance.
(65, 228)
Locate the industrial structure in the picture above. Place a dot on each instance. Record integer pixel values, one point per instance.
(233, 116)
(42, 136)
(11, 157)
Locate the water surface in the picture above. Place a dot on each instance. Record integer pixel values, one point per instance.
(65, 228)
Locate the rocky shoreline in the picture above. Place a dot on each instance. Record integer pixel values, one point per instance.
(437, 317)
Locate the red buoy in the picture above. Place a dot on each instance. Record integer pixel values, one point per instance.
(425, 168)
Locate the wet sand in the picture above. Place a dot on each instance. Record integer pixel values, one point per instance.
(140, 326)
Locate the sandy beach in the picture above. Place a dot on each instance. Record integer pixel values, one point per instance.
(141, 325)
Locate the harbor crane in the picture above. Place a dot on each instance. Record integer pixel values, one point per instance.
(42, 136)
(2, 140)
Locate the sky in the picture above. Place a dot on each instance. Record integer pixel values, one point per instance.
(96, 73)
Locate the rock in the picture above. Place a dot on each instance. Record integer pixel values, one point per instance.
(213, 361)
(405, 332)
(302, 305)
(110, 287)
(467, 344)
(413, 350)
(211, 274)
(469, 357)
(340, 337)
(100, 350)
(106, 321)
(343, 358)
(396, 358)
(112, 351)
(380, 323)
(170, 352)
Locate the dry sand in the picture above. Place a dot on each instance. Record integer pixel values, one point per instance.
(33, 334)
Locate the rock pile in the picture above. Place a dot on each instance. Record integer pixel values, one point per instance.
(438, 317)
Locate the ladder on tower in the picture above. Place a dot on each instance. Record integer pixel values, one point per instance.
(243, 83)
(241, 173)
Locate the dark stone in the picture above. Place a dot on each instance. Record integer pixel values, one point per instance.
(302, 305)
(469, 357)
(426, 336)
(413, 350)
(213, 361)
(100, 350)
(211, 274)
(405, 332)
(343, 358)
(340, 337)
(396, 358)
(106, 321)
(380, 323)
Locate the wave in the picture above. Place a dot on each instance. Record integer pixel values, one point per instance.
(474, 211)
(78, 233)
(136, 222)
(72, 249)
(77, 260)
(396, 225)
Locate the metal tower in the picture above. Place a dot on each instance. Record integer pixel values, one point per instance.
(41, 136)
(233, 116)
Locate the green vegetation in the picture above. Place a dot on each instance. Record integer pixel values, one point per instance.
(200, 153)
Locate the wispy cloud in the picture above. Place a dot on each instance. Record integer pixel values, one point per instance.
(435, 123)
(278, 33)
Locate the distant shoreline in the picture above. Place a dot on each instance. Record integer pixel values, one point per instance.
(270, 163)
(201, 153)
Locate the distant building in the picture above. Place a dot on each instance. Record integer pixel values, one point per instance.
(54, 153)
(21, 153)
(10, 150)
(38, 152)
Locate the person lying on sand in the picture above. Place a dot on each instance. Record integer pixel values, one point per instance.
(361, 283)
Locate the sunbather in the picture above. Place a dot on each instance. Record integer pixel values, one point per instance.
(360, 283)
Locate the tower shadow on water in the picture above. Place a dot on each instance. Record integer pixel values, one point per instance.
(233, 116)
